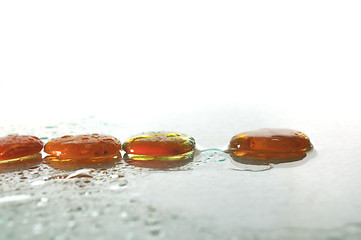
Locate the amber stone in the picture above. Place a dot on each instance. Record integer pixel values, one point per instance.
(159, 144)
(18, 146)
(83, 146)
(270, 144)
(159, 150)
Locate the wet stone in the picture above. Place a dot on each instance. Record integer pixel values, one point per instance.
(269, 146)
(13, 147)
(159, 149)
(83, 146)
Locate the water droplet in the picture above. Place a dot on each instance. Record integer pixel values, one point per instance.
(42, 202)
(152, 221)
(249, 167)
(37, 228)
(155, 232)
(95, 214)
(124, 214)
(81, 173)
(71, 224)
(114, 187)
(38, 183)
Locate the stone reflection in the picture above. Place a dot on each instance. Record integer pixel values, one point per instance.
(22, 163)
(159, 162)
(69, 164)
(262, 159)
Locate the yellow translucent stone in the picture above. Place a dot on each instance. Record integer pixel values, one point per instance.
(159, 149)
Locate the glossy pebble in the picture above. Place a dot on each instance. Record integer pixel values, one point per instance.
(83, 146)
(19, 146)
(270, 144)
(159, 149)
(159, 144)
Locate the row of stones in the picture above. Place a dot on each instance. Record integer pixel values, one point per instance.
(259, 144)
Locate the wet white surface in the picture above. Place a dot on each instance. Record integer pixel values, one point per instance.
(316, 198)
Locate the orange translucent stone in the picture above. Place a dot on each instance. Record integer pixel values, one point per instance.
(83, 146)
(159, 144)
(270, 144)
(159, 150)
(18, 146)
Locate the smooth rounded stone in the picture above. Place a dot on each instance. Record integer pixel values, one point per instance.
(159, 144)
(159, 150)
(270, 145)
(18, 146)
(83, 146)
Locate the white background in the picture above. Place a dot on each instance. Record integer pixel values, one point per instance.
(143, 59)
